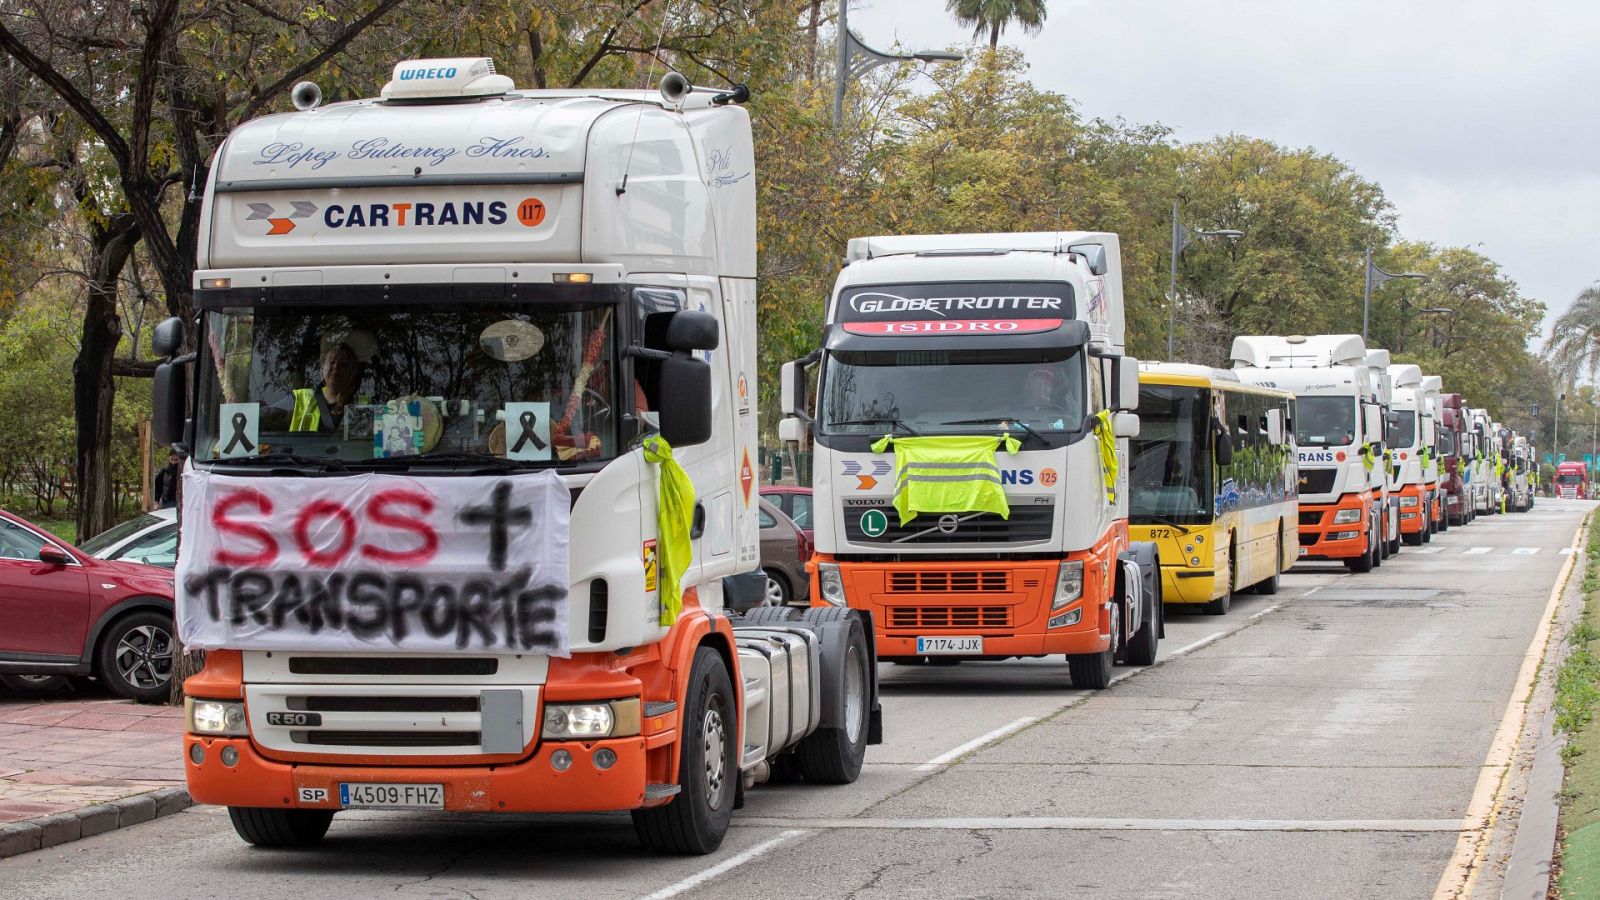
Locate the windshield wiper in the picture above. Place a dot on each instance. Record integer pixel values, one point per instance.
(877, 420)
(1162, 520)
(320, 463)
(485, 461)
(1017, 422)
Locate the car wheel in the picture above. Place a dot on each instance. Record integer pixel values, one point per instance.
(136, 656)
(777, 592)
(35, 685)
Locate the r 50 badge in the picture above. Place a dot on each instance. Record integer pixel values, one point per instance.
(294, 719)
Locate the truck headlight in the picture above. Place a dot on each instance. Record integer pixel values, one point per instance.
(223, 718)
(1347, 516)
(1069, 584)
(830, 583)
(588, 721)
(1406, 502)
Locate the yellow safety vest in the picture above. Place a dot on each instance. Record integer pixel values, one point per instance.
(307, 414)
(944, 474)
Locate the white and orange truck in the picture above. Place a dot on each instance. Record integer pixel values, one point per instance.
(1412, 476)
(1016, 339)
(473, 440)
(1339, 430)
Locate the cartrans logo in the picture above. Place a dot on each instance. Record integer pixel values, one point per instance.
(277, 223)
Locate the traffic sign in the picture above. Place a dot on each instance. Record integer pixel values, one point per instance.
(1561, 458)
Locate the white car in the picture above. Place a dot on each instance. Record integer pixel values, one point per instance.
(151, 539)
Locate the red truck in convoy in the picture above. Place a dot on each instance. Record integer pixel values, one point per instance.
(1572, 481)
(1453, 439)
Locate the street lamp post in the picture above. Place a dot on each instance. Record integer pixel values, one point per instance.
(1374, 277)
(1555, 440)
(1180, 242)
(855, 59)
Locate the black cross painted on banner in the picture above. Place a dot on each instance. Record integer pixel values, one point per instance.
(526, 422)
(500, 516)
(240, 420)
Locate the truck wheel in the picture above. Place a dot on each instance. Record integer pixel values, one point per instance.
(1092, 671)
(695, 821)
(834, 755)
(1146, 642)
(280, 827)
(1364, 562)
(766, 615)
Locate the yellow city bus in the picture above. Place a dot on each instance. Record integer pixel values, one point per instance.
(1213, 482)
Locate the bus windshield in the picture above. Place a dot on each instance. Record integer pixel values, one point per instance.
(1325, 421)
(1171, 470)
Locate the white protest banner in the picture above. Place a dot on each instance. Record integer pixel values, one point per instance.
(375, 563)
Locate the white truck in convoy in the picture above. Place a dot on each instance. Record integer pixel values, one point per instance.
(1431, 410)
(1520, 467)
(1383, 386)
(1485, 481)
(472, 474)
(1014, 343)
(1410, 433)
(1339, 425)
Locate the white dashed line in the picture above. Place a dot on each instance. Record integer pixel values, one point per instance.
(1198, 644)
(732, 862)
(951, 755)
(1427, 550)
(1477, 551)
(1525, 551)
(1257, 615)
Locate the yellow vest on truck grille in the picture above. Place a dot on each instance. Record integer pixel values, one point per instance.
(943, 474)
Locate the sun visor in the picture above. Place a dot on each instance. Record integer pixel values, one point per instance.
(956, 334)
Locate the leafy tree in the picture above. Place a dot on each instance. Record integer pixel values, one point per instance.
(1574, 345)
(994, 15)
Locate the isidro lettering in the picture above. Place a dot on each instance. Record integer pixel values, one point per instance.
(487, 613)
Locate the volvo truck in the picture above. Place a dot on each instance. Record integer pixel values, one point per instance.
(1338, 424)
(1012, 344)
(473, 439)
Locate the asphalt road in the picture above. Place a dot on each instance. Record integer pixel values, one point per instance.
(1324, 742)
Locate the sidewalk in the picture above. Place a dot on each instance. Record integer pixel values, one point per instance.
(69, 764)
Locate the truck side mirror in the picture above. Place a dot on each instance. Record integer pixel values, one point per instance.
(790, 391)
(167, 403)
(1127, 399)
(1125, 425)
(690, 330)
(686, 392)
(167, 339)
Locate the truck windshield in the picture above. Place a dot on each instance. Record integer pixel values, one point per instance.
(1569, 478)
(1325, 421)
(1405, 431)
(533, 383)
(1171, 474)
(928, 391)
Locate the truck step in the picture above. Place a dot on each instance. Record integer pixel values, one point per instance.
(661, 791)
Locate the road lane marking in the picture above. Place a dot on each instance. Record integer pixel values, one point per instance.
(1525, 551)
(1426, 550)
(1198, 644)
(945, 758)
(732, 862)
(1568, 551)
(1275, 606)
(1476, 551)
(1473, 843)
(1059, 823)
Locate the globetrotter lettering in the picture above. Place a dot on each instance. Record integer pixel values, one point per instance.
(376, 562)
(879, 303)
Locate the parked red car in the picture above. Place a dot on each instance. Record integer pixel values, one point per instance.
(794, 501)
(63, 612)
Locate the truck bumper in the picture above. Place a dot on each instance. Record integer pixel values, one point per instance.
(531, 785)
(1321, 539)
(1413, 519)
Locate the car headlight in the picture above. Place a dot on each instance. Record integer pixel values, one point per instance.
(830, 583)
(588, 721)
(1346, 516)
(223, 718)
(1069, 584)
(1406, 502)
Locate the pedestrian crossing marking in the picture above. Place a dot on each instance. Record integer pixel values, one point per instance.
(1525, 551)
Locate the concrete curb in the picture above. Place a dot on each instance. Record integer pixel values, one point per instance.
(29, 835)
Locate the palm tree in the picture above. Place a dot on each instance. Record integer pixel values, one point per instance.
(1574, 344)
(994, 15)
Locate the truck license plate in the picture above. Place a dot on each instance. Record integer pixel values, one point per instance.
(391, 796)
(932, 646)
(1302, 551)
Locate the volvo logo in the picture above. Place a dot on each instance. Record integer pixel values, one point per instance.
(949, 523)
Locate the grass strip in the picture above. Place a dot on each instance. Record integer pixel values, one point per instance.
(1576, 702)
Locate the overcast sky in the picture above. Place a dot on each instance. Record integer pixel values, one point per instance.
(1481, 120)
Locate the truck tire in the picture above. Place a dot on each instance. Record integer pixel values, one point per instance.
(767, 615)
(1092, 671)
(834, 755)
(267, 827)
(1362, 563)
(1146, 642)
(695, 821)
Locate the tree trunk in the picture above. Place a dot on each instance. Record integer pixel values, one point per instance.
(93, 389)
(994, 35)
(811, 37)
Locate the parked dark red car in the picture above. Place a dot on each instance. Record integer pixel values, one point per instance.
(63, 613)
(795, 502)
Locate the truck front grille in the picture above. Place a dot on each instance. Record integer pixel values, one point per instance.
(393, 665)
(1317, 481)
(941, 581)
(934, 618)
(1311, 518)
(1028, 523)
(413, 720)
(386, 738)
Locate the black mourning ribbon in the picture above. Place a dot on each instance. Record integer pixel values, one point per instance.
(526, 422)
(240, 420)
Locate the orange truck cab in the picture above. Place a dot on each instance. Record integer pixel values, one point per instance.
(472, 479)
(1010, 338)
